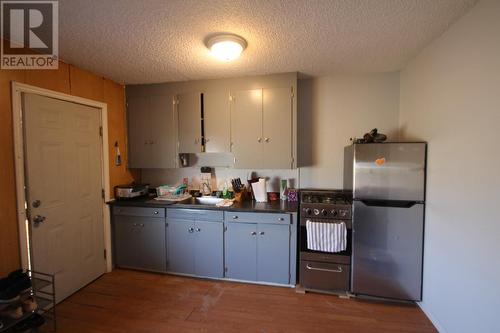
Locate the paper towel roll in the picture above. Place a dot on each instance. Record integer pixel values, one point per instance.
(259, 190)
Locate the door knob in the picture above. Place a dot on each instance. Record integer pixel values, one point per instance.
(266, 139)
(38, 219)
(261, 233)
(198, 229)
(36, 203)
(259, 139)
(253, 233)
(191, 230)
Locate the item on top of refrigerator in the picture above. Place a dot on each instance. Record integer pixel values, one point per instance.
(373, 136)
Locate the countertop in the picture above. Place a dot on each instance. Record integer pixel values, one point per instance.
(246, 206)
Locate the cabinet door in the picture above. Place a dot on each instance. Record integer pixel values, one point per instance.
(125, 242)
(151, 251)
(162, 133)
(241, 251)
(189, 113)
(180, 243)
(209, 251)
(138, 131)
(246, 128)
(140, 242)
(273, 253)
(217, 121)
(277, 128)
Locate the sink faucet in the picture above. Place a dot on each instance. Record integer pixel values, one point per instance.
(206, 189)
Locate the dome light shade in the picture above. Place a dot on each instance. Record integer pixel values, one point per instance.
(226, 47)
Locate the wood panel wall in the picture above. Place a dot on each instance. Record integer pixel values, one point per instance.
(70, 80)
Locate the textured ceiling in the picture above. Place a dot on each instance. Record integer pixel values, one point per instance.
(134, 41)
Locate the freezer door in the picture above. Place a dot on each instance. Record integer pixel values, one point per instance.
(387, 250)
(389, 171)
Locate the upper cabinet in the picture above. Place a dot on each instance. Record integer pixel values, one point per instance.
(190, 126)
(151, 132)
(253, 119)
(261, 128)
(216, 121)
(246, 128)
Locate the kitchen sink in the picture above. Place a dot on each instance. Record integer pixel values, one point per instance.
(208, 200)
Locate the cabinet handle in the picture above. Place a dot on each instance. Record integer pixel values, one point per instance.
(259, 140)
(261, 233)
(253, 233)
(235, 217)
(266, 139)
(281, 219)
(191, 230)
(338, 270)
(155, 212)
(198, 229)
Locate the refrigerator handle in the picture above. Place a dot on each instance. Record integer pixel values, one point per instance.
(390, 203)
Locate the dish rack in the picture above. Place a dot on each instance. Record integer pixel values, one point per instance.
(44, 293)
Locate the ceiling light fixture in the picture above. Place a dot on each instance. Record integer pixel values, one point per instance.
(226, 47)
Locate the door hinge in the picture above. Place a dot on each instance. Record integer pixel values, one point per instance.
(100, 131)
(105, 254)
(103, 193)
(225, 269)
(225, 228)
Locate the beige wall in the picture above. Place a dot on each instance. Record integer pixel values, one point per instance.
(450, 97)
(333, 109)
(70, 80)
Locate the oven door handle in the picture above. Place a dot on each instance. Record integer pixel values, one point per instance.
(339, 270)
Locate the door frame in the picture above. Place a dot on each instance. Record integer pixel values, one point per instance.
(17, 90)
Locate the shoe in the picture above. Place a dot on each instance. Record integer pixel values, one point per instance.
(33, 321)
(29, 305)
(14, 313)
(13, 285)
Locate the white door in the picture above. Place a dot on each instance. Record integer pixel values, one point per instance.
(277, 128)
(246, 128)
(64, 181)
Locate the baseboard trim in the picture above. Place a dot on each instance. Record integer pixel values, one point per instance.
(432, 318)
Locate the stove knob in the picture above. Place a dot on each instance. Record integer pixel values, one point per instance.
(316, 211)
(308, 211)
(334, 212)
(324, 212)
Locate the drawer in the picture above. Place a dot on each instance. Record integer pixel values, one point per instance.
(324, 276)
(257, 217)
(195, 214)
(139, 211)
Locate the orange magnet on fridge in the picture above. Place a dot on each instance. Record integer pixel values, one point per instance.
(380, 161)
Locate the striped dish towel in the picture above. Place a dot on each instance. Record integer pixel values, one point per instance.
(326, 237)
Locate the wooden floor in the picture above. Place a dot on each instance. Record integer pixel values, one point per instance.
(129, 301)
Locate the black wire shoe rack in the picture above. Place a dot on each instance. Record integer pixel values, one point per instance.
(43, 292)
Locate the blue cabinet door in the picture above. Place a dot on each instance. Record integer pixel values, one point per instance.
(180, 244)
(241, 251)
(273, 253)
(209, 249)
(140, 242)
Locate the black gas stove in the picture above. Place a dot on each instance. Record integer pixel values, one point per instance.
(325, 271)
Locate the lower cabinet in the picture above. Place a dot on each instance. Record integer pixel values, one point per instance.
(139, 242)
(195, 247)
(258, 252)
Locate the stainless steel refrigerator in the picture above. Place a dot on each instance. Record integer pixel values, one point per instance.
(388, 184)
